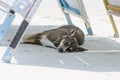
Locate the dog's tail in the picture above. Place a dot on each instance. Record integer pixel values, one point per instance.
(32, 39)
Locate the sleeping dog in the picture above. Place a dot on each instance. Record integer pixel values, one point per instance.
(66, 38)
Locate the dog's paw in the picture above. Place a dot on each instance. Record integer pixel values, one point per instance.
(81, 49)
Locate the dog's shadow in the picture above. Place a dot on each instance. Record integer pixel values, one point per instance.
(102, 55)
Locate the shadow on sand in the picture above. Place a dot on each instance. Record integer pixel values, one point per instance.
(103, 54)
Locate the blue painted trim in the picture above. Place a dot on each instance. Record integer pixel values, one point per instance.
(7, 56)
(67, 7)
(5, 26)
(64, 3)
(68, 19)
(89, 30)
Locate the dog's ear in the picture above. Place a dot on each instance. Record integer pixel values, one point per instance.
(73, 31)
(80, 49)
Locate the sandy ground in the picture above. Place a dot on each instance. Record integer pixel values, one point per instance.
(33, 62)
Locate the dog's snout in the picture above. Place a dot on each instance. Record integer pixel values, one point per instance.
(60, 50)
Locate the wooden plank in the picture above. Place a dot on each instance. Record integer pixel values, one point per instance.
(113, 8)
(116, 34)
(106, 3)
(107, 6)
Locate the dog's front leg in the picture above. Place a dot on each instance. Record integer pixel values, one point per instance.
(79, 48)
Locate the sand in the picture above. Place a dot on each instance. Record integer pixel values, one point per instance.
(34, 62)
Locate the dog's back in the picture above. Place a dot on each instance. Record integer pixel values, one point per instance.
(63, 31)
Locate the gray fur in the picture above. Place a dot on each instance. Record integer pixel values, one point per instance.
(57, 36)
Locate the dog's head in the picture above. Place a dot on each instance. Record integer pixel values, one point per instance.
(69, 43)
